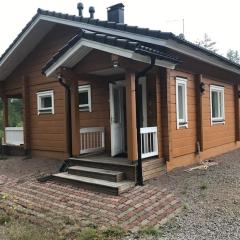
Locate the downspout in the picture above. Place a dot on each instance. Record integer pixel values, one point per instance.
(139, 112)
(69, 119)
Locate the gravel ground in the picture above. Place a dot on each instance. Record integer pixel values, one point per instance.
(210, 198)
(21, 167)
(211, 201)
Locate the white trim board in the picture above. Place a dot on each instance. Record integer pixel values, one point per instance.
(182, 81)
(85, 46)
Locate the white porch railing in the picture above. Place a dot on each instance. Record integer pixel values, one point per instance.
(149, 142)
(92, 139)
(14, 136)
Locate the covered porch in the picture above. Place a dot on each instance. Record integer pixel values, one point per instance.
(15, 124)
(104, 115)
(114, 108)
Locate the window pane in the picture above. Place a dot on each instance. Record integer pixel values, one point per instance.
(220, 104)
(181, 102)
(215, 106)
(46, 102)
(83, 98)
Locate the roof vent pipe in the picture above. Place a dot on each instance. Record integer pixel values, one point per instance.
(80, 9)
(91, 11)
(116, 13)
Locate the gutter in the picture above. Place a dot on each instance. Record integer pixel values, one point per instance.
(139, 111)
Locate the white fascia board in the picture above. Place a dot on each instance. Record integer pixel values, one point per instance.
(199, 55)
(106, 48)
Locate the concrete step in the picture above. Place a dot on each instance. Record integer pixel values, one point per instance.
(98, 173)
(128, 169)
(98, 185)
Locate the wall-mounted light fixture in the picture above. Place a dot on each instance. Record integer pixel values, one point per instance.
(114, 59)
(202, 87)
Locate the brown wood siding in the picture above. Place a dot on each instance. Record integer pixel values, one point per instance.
(184, 139)
(48, 131)
(151, 101)
(100, 115)
(216, 139)
(219, 134)
(153, 168)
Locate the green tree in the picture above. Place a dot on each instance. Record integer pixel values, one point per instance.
(233, 55)
(14, 114)
(207, 43)
(15, 118)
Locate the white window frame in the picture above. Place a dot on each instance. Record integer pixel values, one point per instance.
(221, 119)
(82, 107)
(182, 123)
(42, 110)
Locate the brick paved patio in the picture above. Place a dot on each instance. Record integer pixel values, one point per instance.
(48, 202)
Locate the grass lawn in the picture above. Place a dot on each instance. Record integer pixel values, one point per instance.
(12, 228)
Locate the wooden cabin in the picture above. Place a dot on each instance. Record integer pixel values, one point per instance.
(101, 92)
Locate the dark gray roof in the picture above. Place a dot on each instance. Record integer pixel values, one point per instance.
(123, 43)
(122, 27)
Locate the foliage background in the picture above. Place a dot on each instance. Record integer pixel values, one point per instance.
(14, 114)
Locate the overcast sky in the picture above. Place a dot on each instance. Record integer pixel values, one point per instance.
(219, 19)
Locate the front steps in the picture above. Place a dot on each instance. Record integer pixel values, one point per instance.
(108, 177)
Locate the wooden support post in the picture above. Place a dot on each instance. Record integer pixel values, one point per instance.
(199, 114)
(237, 111)
(158, 113)
(131, 117)
(165, 89)
(5, 114)
(26, 115)
(72, 80)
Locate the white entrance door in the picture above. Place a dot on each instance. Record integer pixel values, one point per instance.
(116, 119)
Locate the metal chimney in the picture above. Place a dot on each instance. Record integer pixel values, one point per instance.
(80, 9)
(91, 11)
(116, 13)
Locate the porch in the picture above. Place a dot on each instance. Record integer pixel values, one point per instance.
(103, 112)
(15, 129)
(92, 140)
(12, 132)
(104, 107)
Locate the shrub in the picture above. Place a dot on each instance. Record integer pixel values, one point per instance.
(114, 233)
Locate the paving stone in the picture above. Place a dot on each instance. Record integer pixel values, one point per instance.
(140, 206)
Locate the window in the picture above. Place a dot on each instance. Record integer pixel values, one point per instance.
(84, 94)
(217, 104)
(181, 102)
(45, 102)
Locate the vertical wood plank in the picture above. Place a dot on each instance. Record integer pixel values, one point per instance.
(131, 117)
(237, 112)
(26, 114)
(166, 113)
(199, 109)
(5, 114)
(158, 110)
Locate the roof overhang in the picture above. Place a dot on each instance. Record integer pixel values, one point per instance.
(25, 44)
(75, 54)
(42, 24)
